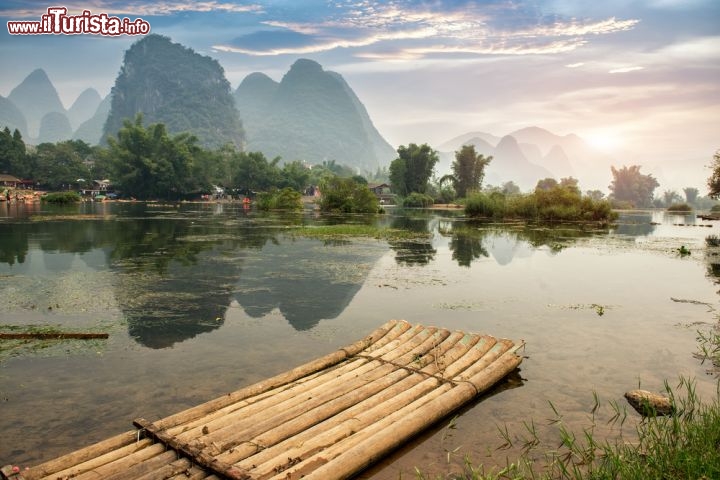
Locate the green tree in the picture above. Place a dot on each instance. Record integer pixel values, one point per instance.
(629, 185)
(347, 196)
(413, 168)
(148, 163)
(546, 184)
(13, 157)
(295, 175)
(714, 180)
(59, 166)
(468, 170)
(251, 171)
(595, 195)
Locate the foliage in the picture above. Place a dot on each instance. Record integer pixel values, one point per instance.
(295, 175)
(629, 185)
(61, 197)
(595, 194)
(679, 207)
(147, 163)
(251, 171)
(59, 166)
(691, 194)
(485, 205)
(562, 202)
(713, 182)
(173, 85)
(684, 445)
(413, 168)
(285, 199)
(345, 195)
(418, 200)
(468, 170)
(510, 188)
(13, 158)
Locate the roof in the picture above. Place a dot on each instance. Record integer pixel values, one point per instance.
(8, 178)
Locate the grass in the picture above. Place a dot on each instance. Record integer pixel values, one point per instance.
(686, 445)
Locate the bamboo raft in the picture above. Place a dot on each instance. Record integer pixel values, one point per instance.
(327, 419)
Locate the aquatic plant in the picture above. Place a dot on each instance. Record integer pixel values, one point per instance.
(684, 445)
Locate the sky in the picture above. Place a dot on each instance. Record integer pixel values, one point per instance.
(637, 79)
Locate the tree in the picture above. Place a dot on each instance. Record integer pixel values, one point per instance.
(347, 196)
(411, 171)
(595, 195)
(58, 166)
(253, 172)
(148, 163)
(670, 197)
(691, 194)
(468, 170)
(714, 180)
(629, 185)
(13, 158)
(510, 188)
(546, 184)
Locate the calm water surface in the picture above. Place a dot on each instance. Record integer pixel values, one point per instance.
(202, 299)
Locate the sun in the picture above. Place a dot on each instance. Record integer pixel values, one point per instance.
(605, 140)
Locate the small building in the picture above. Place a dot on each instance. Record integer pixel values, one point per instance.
(383, 192)
(9, 181)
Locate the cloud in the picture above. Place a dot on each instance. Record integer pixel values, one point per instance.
(575, 65)
(628, 69)
(403, 30)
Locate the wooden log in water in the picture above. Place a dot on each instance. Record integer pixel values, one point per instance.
(50, 336)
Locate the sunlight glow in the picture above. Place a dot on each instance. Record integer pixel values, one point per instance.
(605, 140)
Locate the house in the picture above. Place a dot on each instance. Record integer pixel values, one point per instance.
(9, 181)
(383, 193)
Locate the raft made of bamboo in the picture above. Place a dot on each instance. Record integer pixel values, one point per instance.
(327, 419)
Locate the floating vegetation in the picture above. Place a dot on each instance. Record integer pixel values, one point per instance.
(599, 309)
(357, 230)
(74, 217)
(472, 306)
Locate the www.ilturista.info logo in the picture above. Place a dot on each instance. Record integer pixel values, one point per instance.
(57, 21)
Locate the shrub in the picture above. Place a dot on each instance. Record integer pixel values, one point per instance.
(419, 200)
(557, 203)
(679, 207)
(61, 197)
(485, 205)
(346, 195)
(285, 199)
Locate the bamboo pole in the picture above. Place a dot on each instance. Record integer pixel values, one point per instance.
(197, 455)
(283, 407)
(370, 449)
(181, 466)
(71, 471)
(121, 464)
(149, 465)
(384, 400)
(74, 458)
(393, 326)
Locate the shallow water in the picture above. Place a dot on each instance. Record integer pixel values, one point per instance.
(202, 299)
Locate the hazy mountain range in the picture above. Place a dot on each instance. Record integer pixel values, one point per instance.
(526, 155)
(311, 115)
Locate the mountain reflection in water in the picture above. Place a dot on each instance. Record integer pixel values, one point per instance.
(176, 270)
